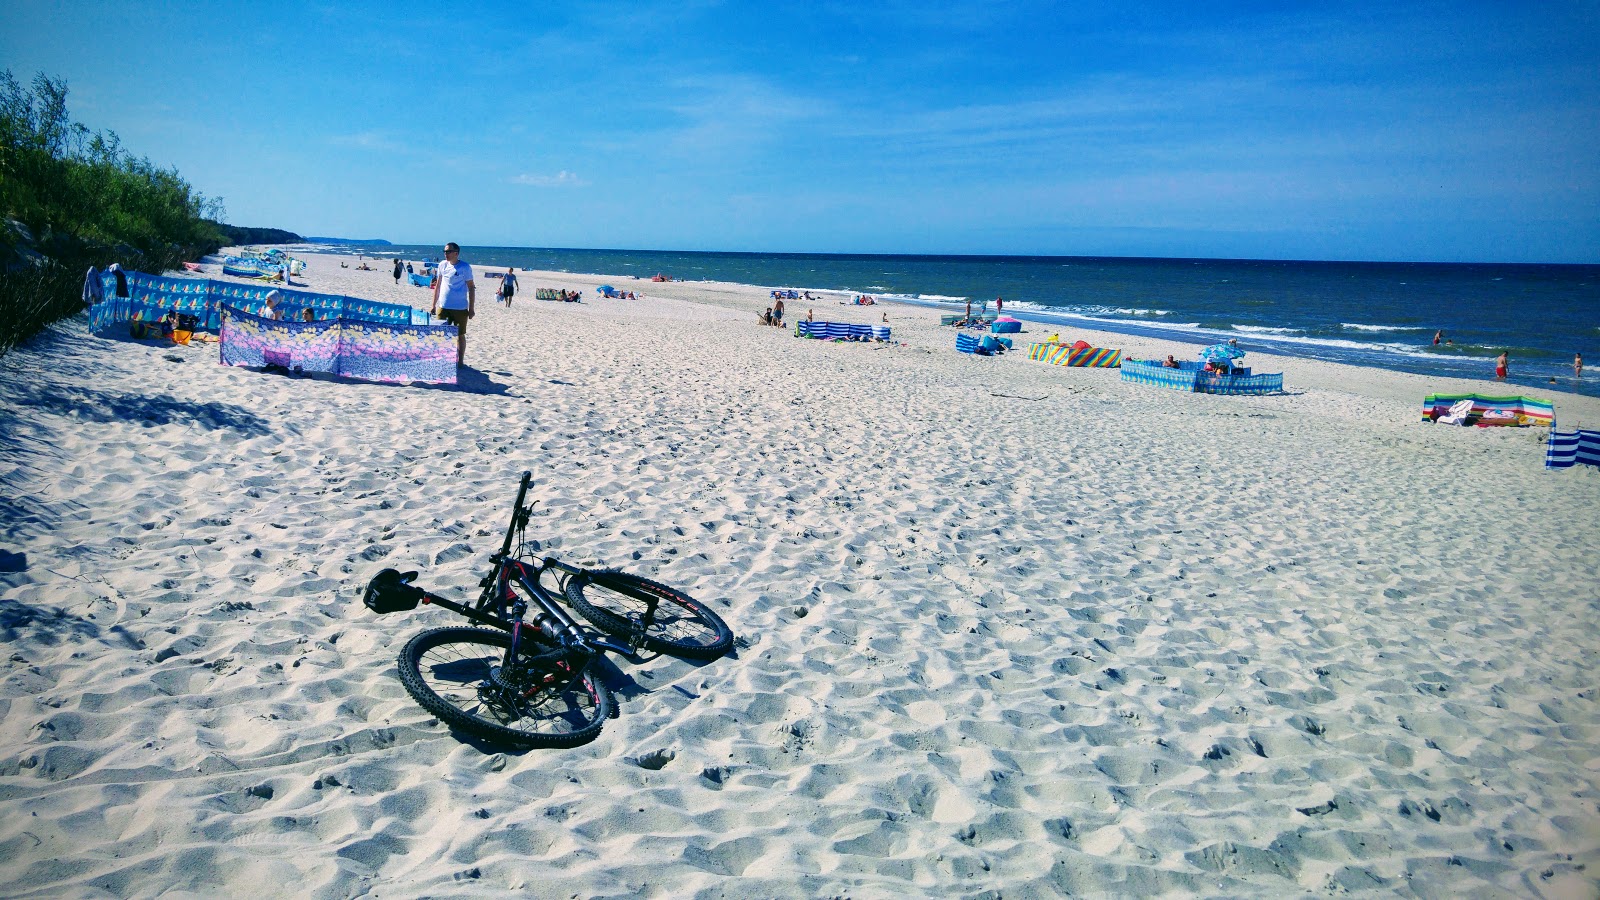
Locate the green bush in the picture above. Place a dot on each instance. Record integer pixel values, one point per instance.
(72, 198)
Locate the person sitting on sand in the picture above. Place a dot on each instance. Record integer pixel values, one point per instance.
(766, 317)
(169, 323)
(808, 316)
(364, 267)
(270, 308)
(1170, 363)
(308, 315)
(885, 318)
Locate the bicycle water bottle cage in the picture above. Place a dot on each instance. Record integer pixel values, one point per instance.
(390, 591)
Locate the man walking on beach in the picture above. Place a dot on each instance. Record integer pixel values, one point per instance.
(508, 286)
(397, 270)
(453, 284)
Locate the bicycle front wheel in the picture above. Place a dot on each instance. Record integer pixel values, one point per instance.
(682, 626)
(460, 675)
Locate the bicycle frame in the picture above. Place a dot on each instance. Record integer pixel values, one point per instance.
(501, 606)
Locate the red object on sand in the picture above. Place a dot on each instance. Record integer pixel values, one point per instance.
(1080, 345)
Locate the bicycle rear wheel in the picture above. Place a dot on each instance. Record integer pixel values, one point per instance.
(458, 675)
(683, 626)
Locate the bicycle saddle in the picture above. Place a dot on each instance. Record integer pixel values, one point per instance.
(391, 591)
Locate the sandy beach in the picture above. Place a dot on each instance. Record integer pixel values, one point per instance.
(1005, 629)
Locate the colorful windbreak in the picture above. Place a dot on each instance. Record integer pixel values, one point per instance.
(1058, 354)
(355, 349)
(152, 296)
(1486, 411)
(1198, 381)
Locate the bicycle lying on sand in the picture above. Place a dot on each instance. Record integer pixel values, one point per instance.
(529, 681)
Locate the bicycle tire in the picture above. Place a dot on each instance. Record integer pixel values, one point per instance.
(451, 673)
(683, 625)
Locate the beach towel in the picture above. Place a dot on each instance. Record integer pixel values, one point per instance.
(94, 289)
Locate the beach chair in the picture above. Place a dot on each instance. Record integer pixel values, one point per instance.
(1459, 411)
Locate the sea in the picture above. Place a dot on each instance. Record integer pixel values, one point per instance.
(1382, 315)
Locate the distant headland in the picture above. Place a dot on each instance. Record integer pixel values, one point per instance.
(367, 242)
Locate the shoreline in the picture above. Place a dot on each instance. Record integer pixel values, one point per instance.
(1472, 363)
(1003, 626)
(1582, 410)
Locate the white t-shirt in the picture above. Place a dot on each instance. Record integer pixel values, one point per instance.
(453, 278)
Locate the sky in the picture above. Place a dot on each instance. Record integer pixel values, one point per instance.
(1448, 132)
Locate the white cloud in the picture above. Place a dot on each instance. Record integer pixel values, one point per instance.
(562, 178)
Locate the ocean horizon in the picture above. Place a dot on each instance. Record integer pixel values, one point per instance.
(1377, 314)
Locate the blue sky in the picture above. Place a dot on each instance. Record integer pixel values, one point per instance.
(1450, 132)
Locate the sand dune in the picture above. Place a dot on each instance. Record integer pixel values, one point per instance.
(1004, 628)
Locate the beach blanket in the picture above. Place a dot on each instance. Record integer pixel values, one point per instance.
(1484, 411)
(152, 296)
(1057, 354)
(372, 350)
(1566, 449)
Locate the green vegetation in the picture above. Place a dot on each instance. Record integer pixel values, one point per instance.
(71, 198)
(238, 235)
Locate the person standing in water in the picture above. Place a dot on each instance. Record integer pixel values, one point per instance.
(1577, 365)
(1502, 365)
(1438, 337)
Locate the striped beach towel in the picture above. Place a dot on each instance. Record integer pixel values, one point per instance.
(1570, 448)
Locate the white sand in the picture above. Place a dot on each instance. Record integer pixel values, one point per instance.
(1007, 628)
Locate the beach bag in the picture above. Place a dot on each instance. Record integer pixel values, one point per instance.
(144, 330)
